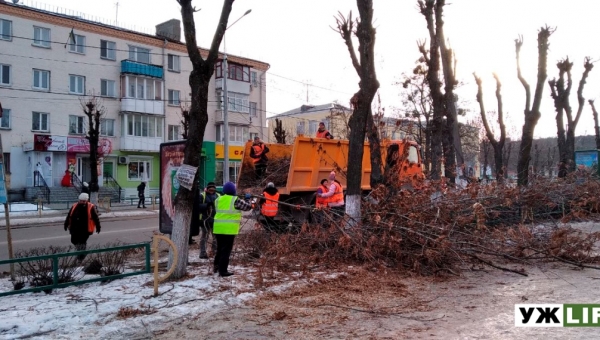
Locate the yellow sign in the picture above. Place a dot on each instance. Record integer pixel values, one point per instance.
(235, 152)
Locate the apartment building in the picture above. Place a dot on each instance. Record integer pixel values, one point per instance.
(50, 63)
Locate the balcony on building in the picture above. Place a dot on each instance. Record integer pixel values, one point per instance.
(142, 88)
(238, 89)
(141, 132)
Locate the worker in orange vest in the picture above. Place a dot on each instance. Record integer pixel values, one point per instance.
(335, 196)
(322, 132)
(321, 202)
(269, 205)
(258, 153)
(82, 220)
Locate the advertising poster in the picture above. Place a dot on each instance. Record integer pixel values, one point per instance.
(171, 159)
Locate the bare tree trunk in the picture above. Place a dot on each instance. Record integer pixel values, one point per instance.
(532, 113)
(364, 66)
(596, 126)
(506, 153)
(375, 152)
(199, 80)
(498, 145)
(93, 111)
(455, 154)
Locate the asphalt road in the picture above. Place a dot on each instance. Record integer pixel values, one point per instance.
(126, 230)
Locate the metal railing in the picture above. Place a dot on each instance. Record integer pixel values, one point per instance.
(55, 268)
(77, 184)
(40, 182)
(110, 182)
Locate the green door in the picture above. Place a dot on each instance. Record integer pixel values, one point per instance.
(108, 169)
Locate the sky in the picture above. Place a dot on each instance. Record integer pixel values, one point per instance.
(310, 63)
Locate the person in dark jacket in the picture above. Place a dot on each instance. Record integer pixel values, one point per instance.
(141, 189)
(207, 218)
(81, 222)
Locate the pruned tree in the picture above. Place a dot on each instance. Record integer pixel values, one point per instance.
(497, 144)
(596, 126)
(202, 71)
(94, 112)
(444, 103)
(560, 93)
(279, 132)
(532, 110)
(361, 120)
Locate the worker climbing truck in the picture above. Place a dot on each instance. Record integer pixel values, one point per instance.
(297, 170)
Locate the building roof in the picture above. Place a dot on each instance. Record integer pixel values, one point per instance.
(79, 23)
(309, 109)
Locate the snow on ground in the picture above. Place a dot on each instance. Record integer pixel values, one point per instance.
(18, 208)
(91, 310)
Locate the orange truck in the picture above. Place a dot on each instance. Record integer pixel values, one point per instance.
(297, 169)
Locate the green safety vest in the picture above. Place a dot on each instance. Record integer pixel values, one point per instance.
(227, 219)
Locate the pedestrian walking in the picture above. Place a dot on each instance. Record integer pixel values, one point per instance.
(258, 153)
(207, 218)
(141, 189)
(269, 205)
(82, 220)
(227, 225)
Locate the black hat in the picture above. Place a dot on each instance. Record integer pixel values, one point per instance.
(211, 185)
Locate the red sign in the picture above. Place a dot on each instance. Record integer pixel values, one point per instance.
(49, 143)
(82, 145)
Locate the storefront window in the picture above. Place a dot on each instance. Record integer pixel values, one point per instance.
(139, 170)
(234, 171)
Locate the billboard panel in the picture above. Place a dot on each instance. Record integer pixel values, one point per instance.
(171, 158)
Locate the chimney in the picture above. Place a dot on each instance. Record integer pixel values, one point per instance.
(169, 29)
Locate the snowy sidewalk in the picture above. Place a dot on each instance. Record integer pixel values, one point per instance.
(26, 214)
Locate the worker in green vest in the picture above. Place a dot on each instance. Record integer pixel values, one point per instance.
(226, 225)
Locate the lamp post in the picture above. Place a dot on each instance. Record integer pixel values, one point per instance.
(226, 104)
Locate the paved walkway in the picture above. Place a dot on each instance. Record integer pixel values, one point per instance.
(33, 218)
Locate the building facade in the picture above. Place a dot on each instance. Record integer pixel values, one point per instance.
(51, 63)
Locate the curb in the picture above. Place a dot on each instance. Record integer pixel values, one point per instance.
(29, 221)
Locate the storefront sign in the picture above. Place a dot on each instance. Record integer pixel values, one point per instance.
(171, 159)
(49, 143)
(235, 152)
(82, 145)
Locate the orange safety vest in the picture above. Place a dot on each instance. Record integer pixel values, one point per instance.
(91, 224)
(322, 201)
(338, 196)
(322, 134)
(269, 208)
(258, 150)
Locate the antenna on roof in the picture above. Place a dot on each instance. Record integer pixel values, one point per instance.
(117, 13)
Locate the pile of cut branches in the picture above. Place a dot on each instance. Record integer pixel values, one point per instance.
(277, 172)
(432, 233)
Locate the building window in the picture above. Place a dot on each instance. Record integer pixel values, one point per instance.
(139, 54)
(76, 84)
(142, 126)
(4, 74)
(77, 43)
(5, 120)
(39, 121)
(41, 37)
(139, 170)
(254, 78)
(237, 133)
(173, 63)
(236, 72)
(253, 110)
(5, 30)
(234, 172)
(107, 127)
(253, 135)
(107, 88)
(6, 156)
(108, 50)
(41, 80)
(141, 88)
(300, 127)
(174, 97)
(238, 102)
(312, 127)
(173, 132)
(76, 124)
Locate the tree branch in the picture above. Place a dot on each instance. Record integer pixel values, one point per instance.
(219, 32)
(500, 112)
(588, 65)
(189, 31)
(518, 45)
(345, 27)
